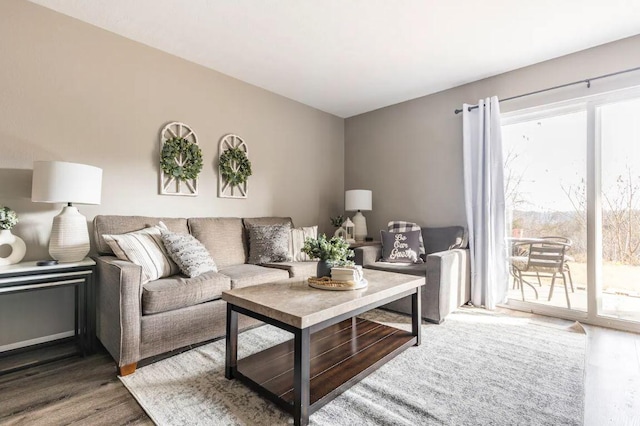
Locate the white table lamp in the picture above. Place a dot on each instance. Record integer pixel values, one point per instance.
(62, 182)
(358, 199)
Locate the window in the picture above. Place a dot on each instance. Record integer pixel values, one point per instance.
(572, 170)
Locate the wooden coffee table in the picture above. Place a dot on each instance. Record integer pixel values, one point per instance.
(331, 349)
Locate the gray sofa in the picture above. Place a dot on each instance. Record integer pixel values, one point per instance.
(447, 271)
(136, 321)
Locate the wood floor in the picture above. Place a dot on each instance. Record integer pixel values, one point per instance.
(86, 391)
(82, 391)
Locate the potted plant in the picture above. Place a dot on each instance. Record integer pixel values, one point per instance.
(8, 218)
(337, 221)
(330, 253)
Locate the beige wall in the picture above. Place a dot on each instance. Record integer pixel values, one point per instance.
(70, 91)
(410, 154)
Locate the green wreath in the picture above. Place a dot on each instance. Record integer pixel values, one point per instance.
(181, 159)
(235, 167)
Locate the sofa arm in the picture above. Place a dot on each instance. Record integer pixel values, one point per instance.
(448, 282)
(367, 255)
(119, 293)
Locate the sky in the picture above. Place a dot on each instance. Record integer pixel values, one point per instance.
(551, 153)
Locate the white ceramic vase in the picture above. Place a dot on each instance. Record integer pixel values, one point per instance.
(18, 247)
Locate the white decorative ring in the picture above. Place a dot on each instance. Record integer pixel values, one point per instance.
(18, 247)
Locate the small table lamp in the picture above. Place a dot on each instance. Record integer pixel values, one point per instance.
(358, 199)
(61, 182)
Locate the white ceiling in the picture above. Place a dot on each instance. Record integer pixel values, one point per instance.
(348, 57)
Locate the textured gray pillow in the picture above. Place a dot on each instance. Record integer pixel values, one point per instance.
(190, 255)
(269, 243)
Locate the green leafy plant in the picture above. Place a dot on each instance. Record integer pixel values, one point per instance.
(336, 250)
(235, 167)
(181, 159)
(8, 218)
(337, 221)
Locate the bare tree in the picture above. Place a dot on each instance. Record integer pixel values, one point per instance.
(513, 178)
(621, 219)
(620, 216)
(577, 195)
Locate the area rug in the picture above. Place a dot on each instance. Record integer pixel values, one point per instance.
(477, 368)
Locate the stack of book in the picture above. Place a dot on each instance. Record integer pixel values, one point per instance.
(347, 274)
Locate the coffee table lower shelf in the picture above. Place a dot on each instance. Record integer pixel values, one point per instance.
(340, 355)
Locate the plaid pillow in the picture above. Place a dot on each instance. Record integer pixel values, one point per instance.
(403, 226)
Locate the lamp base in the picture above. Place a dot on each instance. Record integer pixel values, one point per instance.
(360, 225)
(69, 236)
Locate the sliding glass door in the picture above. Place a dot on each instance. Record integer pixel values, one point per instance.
(545, 158)
(619, 124)
(572, 171)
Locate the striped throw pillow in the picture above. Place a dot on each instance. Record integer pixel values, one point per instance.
(298, 235)
(144, 248)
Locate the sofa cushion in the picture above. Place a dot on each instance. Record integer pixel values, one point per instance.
(191, 256)
(146, 249)
(224, 237)
(400, 246)
(296, 269)
(113, 224)
(269, 243)
(419, 269)
(445, 238)
(176, 292)
(246, 275)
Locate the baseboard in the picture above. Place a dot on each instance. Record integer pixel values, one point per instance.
(44, 339)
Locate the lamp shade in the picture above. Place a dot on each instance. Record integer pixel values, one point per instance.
(62, 182)
(357, 199)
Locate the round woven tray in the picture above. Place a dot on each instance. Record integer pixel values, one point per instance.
(326, 283)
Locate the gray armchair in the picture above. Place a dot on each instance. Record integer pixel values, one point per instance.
(446, 268)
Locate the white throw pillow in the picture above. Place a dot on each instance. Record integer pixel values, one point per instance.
(296, 242)
(146, 249)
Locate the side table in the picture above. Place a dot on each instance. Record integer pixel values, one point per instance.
(27, 276)
(364, 243)
(359, 244)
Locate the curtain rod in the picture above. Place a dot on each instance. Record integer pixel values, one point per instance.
(586, 80)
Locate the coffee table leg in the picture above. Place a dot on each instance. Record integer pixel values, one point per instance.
(231, 339)
(301, 381)
(416, 315)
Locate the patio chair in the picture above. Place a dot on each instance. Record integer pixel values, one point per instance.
(567, 258)
(544, 258)
(520, 254)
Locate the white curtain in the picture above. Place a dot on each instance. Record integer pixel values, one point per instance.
(484, 202)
